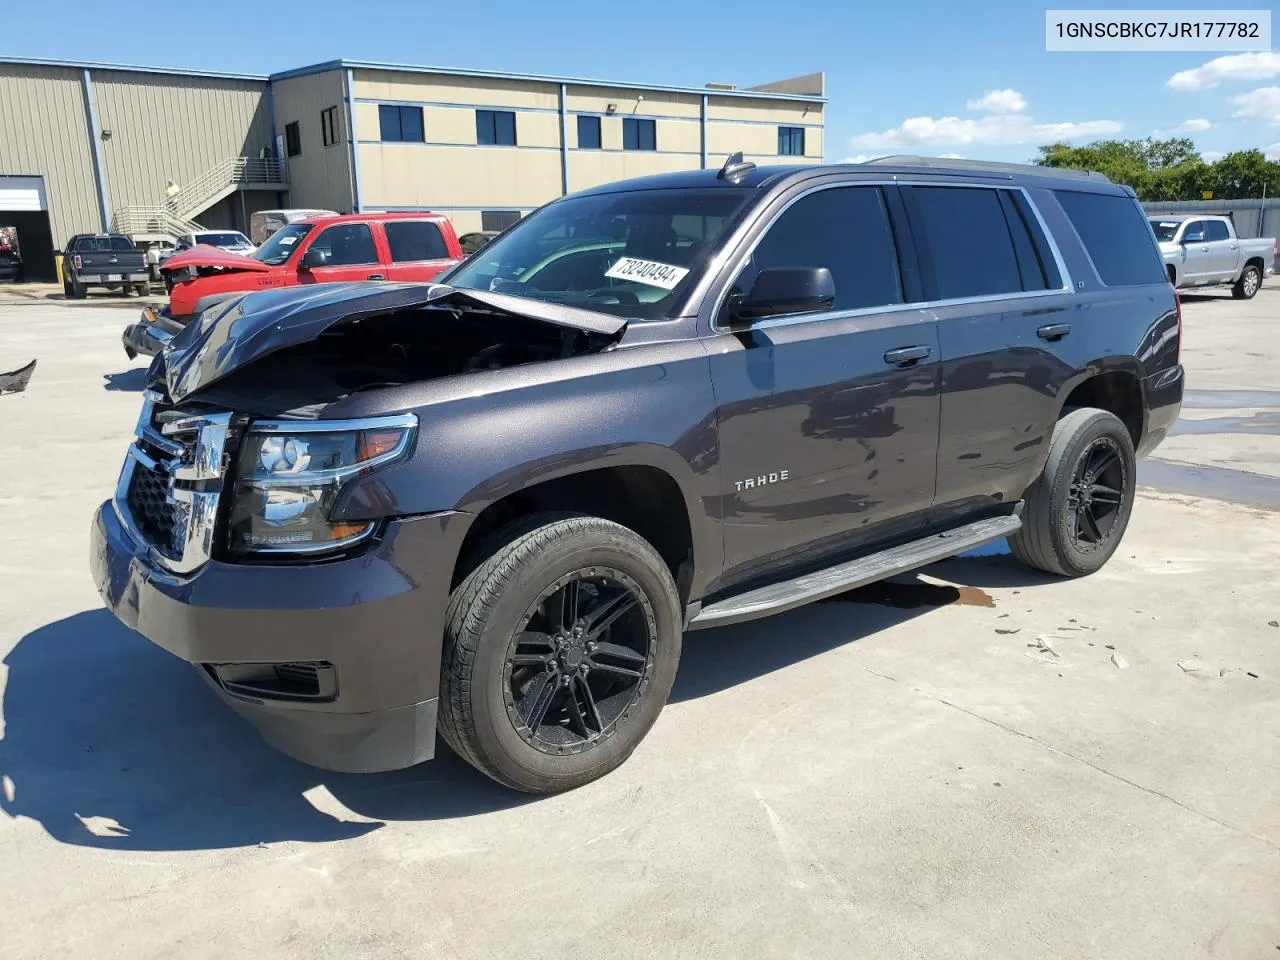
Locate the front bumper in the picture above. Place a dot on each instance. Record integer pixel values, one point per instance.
(150, 334)
(377, 617)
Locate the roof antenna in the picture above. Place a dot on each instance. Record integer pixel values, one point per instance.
(735, 168)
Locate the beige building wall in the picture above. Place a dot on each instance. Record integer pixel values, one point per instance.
(388, 85)
(639, 103)
(44, 132)
(590, 168)
(443, 178)
(200, 121)
(321, 175)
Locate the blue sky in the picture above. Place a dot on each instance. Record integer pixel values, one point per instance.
(885, 63)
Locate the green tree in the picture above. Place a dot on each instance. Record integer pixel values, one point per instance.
(1169, 169)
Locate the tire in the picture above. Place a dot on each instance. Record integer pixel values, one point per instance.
(1250, 282)
(142, 289)
(508, 609)
(1054, 536)
(1173, 274)
(78, 290)
(66, 290)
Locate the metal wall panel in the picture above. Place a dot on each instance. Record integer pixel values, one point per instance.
(321, 175)
(174, 127)
(44, 132)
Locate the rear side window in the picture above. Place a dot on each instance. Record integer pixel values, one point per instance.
(1217, 230)
(968, 238)
(845, 229)
(415, 240)
(1115, 236)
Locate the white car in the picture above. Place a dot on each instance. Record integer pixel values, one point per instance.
(232, 241)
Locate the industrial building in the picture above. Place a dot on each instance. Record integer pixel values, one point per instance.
(86, 147)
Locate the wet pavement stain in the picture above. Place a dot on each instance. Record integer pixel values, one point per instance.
(913, 596)
(1267, 423)
(1229, 399)
(1216, 483)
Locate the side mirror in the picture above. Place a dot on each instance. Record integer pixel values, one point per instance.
(780, 291)
(1197, 237)
(313, 258)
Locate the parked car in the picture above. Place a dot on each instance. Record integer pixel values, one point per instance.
(322, 250)
(1204, 251)
(10, 264)
(471, 242)
(232, 241)
(492, 506)
(263, 223)
(103, 260)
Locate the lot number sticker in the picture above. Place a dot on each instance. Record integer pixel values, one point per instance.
(648, 272)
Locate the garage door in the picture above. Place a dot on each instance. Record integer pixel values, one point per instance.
(22, 193)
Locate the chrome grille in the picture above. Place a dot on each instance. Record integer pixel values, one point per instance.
(168, 492)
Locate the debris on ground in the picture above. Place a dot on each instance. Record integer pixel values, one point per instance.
(1008, 630)
(1273, 623)
(1191, 666)
(15, 381)
(1118, 661)
(1045, 644)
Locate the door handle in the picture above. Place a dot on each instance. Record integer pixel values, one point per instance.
(1053, 331)
(376, 276)
(907, 356)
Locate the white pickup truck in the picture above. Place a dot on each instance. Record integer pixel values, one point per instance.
(1204, 251)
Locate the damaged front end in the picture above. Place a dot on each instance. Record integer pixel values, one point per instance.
(233, 432)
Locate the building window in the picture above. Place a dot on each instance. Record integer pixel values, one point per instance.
(791, 141)
(400, 124)
(588, 133)
(639, 134)
(292, 139)
(496, 128)
(498, 219)
(329, 126)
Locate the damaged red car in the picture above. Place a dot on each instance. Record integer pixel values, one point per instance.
(403, 247)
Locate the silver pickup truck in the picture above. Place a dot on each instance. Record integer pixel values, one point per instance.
(1204, 251)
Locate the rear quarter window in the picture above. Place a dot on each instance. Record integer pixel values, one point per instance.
(1116, 235)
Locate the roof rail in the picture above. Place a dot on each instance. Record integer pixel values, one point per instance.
(994, 166)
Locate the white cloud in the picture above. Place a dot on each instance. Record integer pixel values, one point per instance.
(993, 130)
(999, 101)
(1272, 152)
(1260, 104)
(1199, 125)
(1236, 66)
(1211, 156)
(951, 156)
(858, 158)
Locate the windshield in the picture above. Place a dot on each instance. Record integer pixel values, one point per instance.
(621, 253)
(1165, 229)
(223, 239)
(281, 244)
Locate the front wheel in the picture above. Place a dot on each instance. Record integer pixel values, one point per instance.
(1076, 512)
(560, 650)
(1246, 288)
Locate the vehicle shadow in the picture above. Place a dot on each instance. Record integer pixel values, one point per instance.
(110, 742)
(130, 380)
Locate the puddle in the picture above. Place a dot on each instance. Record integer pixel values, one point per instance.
(1268, 423)
(912, 596)
(1216, 483)
(1230, 399)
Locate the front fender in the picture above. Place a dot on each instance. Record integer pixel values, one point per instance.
(485, 436)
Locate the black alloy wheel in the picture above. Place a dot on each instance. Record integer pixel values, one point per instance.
(579, 661)
(1096, 494)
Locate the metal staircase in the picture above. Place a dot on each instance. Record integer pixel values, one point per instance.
(176, 215)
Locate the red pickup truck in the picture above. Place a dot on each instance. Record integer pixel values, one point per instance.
(330, 249)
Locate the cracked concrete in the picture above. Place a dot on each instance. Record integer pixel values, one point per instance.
(888, 774)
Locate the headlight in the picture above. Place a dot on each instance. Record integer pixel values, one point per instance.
(290, 474)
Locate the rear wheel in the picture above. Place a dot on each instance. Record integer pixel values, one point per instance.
(560, 651)
(141, 289)
(1076, 512)
(78, 290)
(1246, 288)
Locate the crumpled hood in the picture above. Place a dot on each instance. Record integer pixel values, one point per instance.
(205, 255)
(243, 329)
